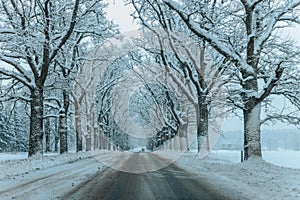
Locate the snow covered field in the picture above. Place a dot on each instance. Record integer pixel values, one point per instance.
(284, 158)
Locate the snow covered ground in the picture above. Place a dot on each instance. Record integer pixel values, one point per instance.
(284, 158)
(222, 170)
(13, 156)
(15, 164)
(256, 178)
(49, 178)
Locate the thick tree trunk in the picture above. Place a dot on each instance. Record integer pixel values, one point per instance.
(63, 133)
(108, 144)
(184, 138)
(183, 143)
(202, 123)
(78, 129)
(88, 136)
(96, 138)
(252, 110)
(36, 122)
(88, 140)
(252, 144)
(63, 123)
(56, 137)
(78, 135)
(47, 134)
(100, 142)
(104, 141)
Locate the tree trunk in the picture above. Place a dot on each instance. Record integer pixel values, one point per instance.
(56, 137)
(62, 133)
(63, 123)
(47, 134)
(96, 138)
(88, 140)
(78, 140)
(202, 122)
(88, 137)
(100, 145)
(183, 145)
(251, 112)
(104, 141)
(78, 128)
(108, 144)
(96, 141)
(252, 145)
(36, 122)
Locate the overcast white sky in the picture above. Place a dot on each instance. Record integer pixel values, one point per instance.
(121, 15)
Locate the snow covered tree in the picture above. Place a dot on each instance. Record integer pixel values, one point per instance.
(247, 34)
(33, 36)
(158, 99)
(15, 113)
(5, 137)
(287, 98)
(109, 131)
(14, 126)
(71, 56)
(185, 59)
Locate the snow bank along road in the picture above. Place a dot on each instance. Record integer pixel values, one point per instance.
(89, 179)
(49, 183)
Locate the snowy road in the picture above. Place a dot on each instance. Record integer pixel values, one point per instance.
(167, 183)
(89, 179)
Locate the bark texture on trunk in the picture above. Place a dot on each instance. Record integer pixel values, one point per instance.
(63, 133)
(182, 137)
(56, 137)
(88, 140)
(96, 138)
(78, 127)
(202, 121)
(47, 134)
(100, 143)
(63, 123)
(252, 107)
(36, 122)
(252, 144)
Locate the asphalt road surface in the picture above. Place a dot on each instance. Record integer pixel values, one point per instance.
(167, 183)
